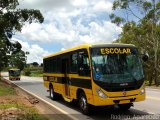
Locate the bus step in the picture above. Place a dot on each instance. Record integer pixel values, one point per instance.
(67, 99)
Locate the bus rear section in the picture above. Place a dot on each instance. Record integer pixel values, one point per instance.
(96, 75)
(14, 74)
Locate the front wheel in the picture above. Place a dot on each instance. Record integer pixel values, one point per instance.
(125, 107)
(84, 106)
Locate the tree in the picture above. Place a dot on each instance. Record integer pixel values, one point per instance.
(18, 60)
(35, 64)
(12, 20)
(143, 31)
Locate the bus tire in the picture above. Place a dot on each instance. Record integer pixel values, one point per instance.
(125, 107)
(84, 106)
(52, 94)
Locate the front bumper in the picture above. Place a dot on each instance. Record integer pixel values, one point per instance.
(98, 101)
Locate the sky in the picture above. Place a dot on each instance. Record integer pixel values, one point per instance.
(67, 23)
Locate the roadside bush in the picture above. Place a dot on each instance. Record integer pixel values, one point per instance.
(27, 72)
(33, 71)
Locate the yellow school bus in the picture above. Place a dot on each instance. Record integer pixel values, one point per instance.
(14, 74)
(96, 75)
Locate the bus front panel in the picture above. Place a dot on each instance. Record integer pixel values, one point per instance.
(117, 74)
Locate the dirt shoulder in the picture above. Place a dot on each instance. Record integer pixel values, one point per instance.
(16, 104)
(24, 106)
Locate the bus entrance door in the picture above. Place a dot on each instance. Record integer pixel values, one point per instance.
(65, 65)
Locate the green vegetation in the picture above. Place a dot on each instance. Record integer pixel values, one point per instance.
(21, 111)
(6, 89)
(26, 71)
(27, 113)
(18, 60)
(36, 74)
(153, 84)
(12, 19)
(29, 70)
(8, 68)
(141, 27)
(33, 71)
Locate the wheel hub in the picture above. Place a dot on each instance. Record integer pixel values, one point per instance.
(52, 93)
(83, 103)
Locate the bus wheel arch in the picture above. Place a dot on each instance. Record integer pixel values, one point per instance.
(79, 91)
(82, 101)
(50, 85)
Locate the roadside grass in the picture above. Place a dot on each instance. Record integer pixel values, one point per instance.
(6, 89)
(9, 105)
(36, 74)
(33, 71)
(28, 113)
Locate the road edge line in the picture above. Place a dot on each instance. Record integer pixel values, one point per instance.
(62, 111)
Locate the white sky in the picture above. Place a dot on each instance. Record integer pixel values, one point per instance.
(66, 23)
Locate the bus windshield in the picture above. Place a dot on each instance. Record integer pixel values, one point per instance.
(14, 72)
(116, 65)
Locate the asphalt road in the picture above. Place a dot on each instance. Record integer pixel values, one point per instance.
(148, 109)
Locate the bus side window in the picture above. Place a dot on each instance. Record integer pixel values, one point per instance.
(83, 63)
(59, 64)
(73, 63)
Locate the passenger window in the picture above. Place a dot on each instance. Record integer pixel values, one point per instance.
(83, 63)
(73, 63)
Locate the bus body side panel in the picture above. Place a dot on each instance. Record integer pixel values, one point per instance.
(81, 82)
(46, 81)
(58, 87)
(46, 84)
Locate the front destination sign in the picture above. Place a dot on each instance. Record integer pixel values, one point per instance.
(115, 51)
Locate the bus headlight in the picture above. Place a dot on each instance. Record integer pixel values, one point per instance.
(142, 91)
(101, 93)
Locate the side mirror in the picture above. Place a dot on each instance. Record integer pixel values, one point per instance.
(145, 57)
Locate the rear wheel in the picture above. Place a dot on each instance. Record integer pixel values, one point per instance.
(125, 107)
(84, 106)
(52, 94)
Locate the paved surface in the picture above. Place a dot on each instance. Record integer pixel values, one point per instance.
(148, 109)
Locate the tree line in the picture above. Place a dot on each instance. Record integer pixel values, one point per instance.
(140, 21)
